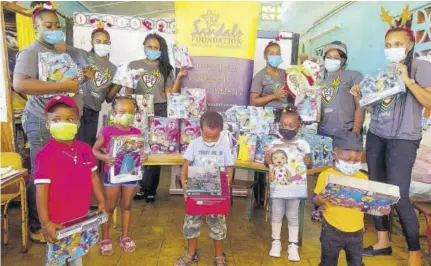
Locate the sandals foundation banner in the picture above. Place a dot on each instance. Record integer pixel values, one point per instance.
(221, 38)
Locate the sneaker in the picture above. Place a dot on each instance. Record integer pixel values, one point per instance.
(37, 237)
(139, 196)
(275, 249)
(292, 252)
(150, 198)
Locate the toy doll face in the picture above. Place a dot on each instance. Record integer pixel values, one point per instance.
(160, 131)
(279, 158)
(189, 132)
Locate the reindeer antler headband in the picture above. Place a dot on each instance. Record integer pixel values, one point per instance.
(404, 23)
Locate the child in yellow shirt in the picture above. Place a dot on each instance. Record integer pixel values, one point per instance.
(342, 227)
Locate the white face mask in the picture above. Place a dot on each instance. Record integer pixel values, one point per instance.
(102, 50)
(348, 168)
(212, 144)
(332, 65)
(395, 55)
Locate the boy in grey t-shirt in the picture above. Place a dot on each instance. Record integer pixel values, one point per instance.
(210, 150)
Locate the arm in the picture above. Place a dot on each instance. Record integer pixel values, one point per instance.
(271, 175)
(98, 191)
(184, 173)
(422, 94)
(32, 86)
(307, 161)
(101, 156)
(358, 121)
(114, 89)
(229, 175)
(256, 100)
(49, 228)
(177, 84)
(129, 91)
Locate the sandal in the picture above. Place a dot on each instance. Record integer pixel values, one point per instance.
(222, 259)
(127, 244)
(105, 247)
(181, 262)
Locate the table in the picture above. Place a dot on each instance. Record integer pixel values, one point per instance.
(7, 198)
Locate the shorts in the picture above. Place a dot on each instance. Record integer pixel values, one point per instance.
(106, 182)
(216, 226)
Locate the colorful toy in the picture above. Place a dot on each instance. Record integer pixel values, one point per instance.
(370, 197)
(308, 104)
(164, 135)
(279, 170)
(197, 102)
(123, 76)
(231, 131)
(177, 105)
(247, 147)
(145, 102)
(242, 114)
(321, 150)
(190, 130)
(181, 56)
(264, 144)
(297, 78)
(314, 69)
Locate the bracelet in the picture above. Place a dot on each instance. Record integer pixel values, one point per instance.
(43, 227)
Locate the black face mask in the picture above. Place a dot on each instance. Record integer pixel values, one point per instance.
(287, 133)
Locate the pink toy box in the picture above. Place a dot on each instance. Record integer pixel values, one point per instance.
(190, 130)
(165, 134)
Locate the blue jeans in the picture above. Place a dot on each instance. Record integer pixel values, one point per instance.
(37, 135)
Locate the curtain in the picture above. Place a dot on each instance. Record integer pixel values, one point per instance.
(25, 31)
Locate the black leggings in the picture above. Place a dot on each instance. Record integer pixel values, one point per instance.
(391, 161)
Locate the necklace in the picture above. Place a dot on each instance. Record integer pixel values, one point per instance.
(75, 157)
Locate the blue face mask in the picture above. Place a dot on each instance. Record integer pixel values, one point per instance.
(332, 65)
(274, 60)
(152, 54)
(53, 36)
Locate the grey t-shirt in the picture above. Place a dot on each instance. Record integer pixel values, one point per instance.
(151, 81)
(95, 89)
(264, 84)
(27, 64)
(201, 155)
(400, 117)
(338, 105)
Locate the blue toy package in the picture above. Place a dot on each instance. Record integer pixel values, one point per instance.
(321, 150)
(379, 85)
(264, 144)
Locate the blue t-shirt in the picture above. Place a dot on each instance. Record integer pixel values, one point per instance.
(201, 155)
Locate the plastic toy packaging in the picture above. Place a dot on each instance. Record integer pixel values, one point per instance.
(264, 144)
(123, 76)
(230, 115)
(165, 134)
(231, 132)
(128, 151)
(197, 102)
(308, 103)
(57, 68)
(379, 85)
(145, 102)
(297, 78)
(321, 150)
(190, 130)
(242, 114)
(314, 69)
(247, 147)
(177, 105)
(261, 120)
(181, 56)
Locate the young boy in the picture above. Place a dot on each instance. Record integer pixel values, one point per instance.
(342, 227)
(65, 171)
(210, 150)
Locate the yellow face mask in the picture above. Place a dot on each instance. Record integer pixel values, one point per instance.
(125, 120)
(63, 130)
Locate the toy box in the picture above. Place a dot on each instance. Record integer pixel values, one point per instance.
(231, 131)
(321, 150)
(296, 79)
(128, 151)
(308, 104)
(264, 144)
(197, 102)
(145, 103)
(165, 135)
(76, 239)
(209, 193)
(177, 105)
(261, 120)
(190, 130)
(247, 147)
(379, 85)
(181, 56)
(242, 114)
(368, 196)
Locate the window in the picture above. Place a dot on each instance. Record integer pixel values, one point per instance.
(271, 12)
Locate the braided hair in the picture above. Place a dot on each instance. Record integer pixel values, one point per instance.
(165, 66)
(291, 109)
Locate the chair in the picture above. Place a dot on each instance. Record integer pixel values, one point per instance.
(425, 209)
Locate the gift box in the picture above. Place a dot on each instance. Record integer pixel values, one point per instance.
(379, 85)
(128, 150)
(177, 105)
(190, 130)
(207, 192)
(76, 239)
(181, 56)
(197, 102)
(308, 104)
(247, 147)
(368, 196)
(165, 134)
(321, 150)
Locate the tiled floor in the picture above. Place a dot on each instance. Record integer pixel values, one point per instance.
(157, 230)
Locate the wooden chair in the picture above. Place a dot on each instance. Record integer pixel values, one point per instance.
(425, 209)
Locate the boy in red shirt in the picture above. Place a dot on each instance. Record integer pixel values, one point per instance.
(65, 171)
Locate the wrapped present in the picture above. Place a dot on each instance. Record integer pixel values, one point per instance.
(145, 102)
(165, 134)
(177, 105)
(380, 85)
(76, 239)
(247, 147)
(368, 196)
(128, 150)
(264, 144)
(190, 130)
(54, 67)
(297, 78)
(321, 150)
(181, 56)
(197, 102)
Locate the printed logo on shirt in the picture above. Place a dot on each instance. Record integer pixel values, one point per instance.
(101, 77)
(329, 92)
(388, 103)
(149, 80)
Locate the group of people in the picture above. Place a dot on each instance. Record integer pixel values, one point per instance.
(52, 125)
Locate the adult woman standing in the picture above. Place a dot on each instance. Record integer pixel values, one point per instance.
(395, 133)
(156, 77)
(340, 111)
(26, 80)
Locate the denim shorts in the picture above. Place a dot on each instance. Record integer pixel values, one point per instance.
(106, 182)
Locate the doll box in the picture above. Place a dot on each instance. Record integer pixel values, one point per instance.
(82, 224)
(210, 204)
(368, 196)
(164, 135)
(321, 150)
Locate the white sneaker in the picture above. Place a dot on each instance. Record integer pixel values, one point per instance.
(275, 249)
(292, 252)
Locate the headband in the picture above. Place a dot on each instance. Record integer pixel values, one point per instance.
(275, 41)
(45, 6)
(404, 23)
(100, 25)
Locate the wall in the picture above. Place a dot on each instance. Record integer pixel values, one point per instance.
(66, 7)
(362, 31)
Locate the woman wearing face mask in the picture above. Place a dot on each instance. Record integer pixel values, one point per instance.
(98, 86)
(394, 135)
(267, 88)
(155, 77)
(341, 111)
(26, 80)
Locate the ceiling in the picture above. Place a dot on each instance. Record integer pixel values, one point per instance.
(153, 9)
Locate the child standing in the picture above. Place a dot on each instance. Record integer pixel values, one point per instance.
(123, 109)
(210, 150)
(65, 172)
(342, 227)
(290, 124)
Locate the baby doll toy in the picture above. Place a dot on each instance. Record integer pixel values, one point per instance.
(279, 170)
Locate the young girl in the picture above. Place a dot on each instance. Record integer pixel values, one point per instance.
(123, 109)
(290, 123)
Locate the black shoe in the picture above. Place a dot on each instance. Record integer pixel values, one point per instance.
(150, 198)
(371, 252)
(139, 196)
(93, 207)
